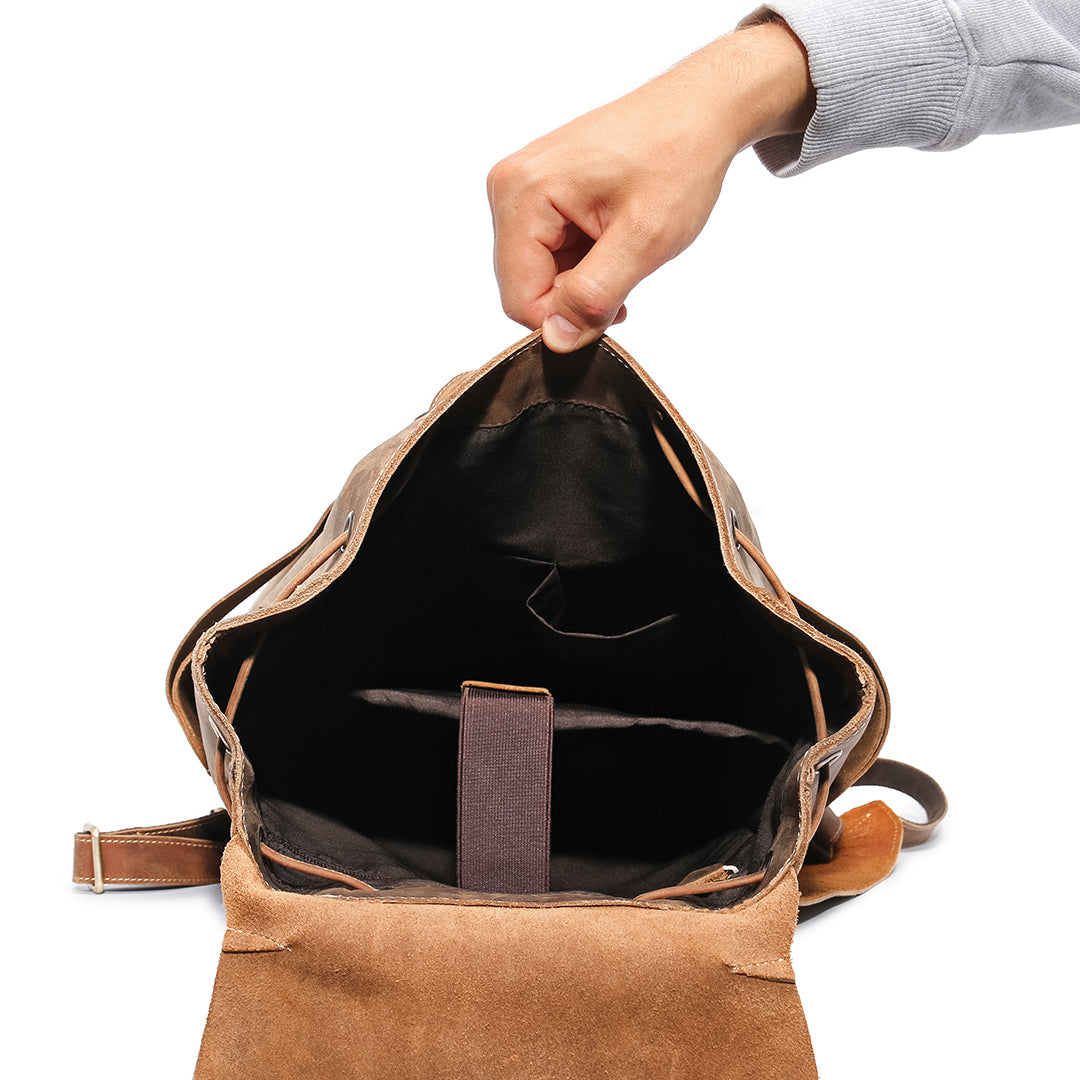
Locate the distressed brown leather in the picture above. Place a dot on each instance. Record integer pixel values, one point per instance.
(426, 989)
(924, 789)
(184, 853)
(342, 958)
(864, 855)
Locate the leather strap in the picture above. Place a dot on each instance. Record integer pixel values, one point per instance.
(864, 855)
(828, 834)
(504, 789)
(867, 847)
(184, 853)
(916, 784)
(906, 779)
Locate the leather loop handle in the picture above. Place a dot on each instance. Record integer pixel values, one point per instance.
(916, 784)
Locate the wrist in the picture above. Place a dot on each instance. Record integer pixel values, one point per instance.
(762, 77)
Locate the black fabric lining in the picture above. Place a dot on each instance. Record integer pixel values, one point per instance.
(568, 717)
(558, 550)
(385, 800)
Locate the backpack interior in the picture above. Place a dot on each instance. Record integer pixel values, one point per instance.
(538, 537)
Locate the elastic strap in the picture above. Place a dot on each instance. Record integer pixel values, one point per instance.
(504, 789)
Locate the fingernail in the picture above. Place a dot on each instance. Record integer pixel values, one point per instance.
(560, 333)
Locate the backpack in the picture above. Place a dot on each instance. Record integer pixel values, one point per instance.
(526, 757)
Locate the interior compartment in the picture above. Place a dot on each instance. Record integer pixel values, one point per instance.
(555, 549)
(619, 824)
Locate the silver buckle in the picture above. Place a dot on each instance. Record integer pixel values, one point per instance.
(347, 529)
(98, 885)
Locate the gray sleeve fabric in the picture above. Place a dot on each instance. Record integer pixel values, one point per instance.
(932, 74)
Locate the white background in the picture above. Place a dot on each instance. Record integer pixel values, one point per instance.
(243, 243)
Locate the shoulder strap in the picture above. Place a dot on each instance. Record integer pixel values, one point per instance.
(183, 853)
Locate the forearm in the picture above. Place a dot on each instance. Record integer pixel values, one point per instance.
(757, 82)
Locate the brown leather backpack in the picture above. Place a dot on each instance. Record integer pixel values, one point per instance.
(526, 756)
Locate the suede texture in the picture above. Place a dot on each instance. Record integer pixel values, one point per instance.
(865, 855)
(332, 986)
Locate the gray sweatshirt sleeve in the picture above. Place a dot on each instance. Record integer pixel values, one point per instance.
(932, 74)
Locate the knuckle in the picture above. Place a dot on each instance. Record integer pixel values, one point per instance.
(513, 173)
(495, 178)
(520, 311)
(649, 235)
(595, 304)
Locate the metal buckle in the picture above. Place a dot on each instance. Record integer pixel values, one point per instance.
(347, 529)
(95, 850)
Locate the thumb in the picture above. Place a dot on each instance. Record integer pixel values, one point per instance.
(587, 299)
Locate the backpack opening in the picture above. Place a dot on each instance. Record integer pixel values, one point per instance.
(556, 548)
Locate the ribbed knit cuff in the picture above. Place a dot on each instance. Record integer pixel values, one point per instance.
(886, 72)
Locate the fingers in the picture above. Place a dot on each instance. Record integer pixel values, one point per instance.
(529, 231)
(582, 214)
(552, 273)
(586, 300)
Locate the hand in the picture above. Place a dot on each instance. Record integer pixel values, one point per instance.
(582, 214)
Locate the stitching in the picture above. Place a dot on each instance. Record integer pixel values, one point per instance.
(166, 843)
(110, 880)
(759, 963)
(898, 828)
(450, 902)
(249, 933)
(305, 856)
(615, 356)
(568, 403)
(180, 827)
